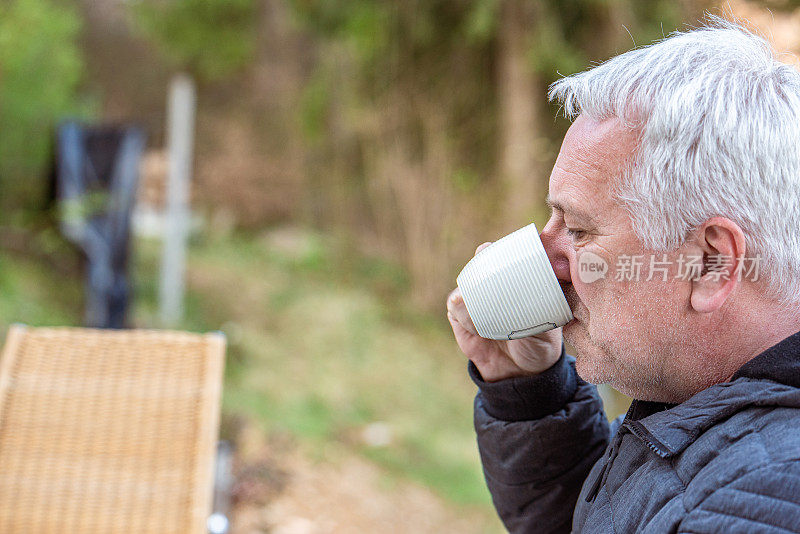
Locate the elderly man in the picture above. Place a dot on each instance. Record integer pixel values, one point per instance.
(687, 148)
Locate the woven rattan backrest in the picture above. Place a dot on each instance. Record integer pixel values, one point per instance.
(108, 431)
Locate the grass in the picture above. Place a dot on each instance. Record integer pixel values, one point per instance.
(321, 347)
(31, 294)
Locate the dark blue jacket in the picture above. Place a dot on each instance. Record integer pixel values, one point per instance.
(726, 460)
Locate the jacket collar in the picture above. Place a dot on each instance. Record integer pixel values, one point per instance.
(779, 363)
(770, 379)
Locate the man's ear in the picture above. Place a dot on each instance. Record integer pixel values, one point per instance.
(721, 243)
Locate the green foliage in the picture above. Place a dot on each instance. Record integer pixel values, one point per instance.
(363, 25)
(314, 107)
(656, 19)
(210, 38)
(315, 351)
(442, 55)
(552, 43)
(568, 35)
(412, 56)
(76, 210)
(465, 180)
(780, 5)
(40, 72)
(481, 24)
(30, 294)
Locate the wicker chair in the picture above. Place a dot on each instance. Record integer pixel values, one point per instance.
(108, 431)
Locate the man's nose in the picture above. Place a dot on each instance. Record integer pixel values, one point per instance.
(556, 250)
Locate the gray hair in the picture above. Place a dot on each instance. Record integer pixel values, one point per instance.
(719, 123)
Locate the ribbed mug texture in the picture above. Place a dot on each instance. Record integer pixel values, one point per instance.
(510, 289)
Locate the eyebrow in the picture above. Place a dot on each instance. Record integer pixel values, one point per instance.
(555, 205)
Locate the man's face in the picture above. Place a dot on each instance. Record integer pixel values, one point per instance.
(626, 328)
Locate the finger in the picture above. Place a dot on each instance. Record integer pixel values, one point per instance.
(458, 310)
(463, 336)
(453, 322)
(453, 299)
(482, 246)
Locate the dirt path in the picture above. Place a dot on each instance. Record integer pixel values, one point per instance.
(281, 491)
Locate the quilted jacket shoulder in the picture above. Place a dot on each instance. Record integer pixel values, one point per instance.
(726, 460)
(709, 461)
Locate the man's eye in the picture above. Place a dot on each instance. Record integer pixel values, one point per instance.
(575, 234)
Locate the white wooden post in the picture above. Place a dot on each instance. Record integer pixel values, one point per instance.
(180, 137)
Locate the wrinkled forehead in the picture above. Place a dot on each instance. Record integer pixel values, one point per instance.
(590, 160)
(599, 146)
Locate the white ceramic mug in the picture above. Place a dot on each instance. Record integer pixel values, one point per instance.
(510, 289)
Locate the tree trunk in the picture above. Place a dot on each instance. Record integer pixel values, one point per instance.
(521, 160)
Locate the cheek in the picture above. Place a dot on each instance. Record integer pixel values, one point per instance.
(613, 309)
(650, 310)
(591, 274)
(604, 301)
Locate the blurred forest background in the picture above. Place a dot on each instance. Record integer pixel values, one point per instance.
(350, 154)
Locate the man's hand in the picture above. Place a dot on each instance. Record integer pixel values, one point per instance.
(497, 360)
